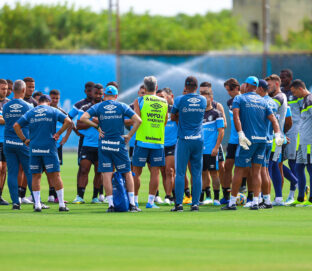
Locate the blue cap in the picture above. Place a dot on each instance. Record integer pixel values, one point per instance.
(252, 80)
(111, 90)
(263, 84)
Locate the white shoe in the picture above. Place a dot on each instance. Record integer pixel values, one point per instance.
(101, 198)
(105, 200)
(30, 198)
(167, 201)
(158, 200)
(248, 204)
(207, 201)
(51, 199)
(289, 201)
(216, 203)
(278, 203)
(26, 201)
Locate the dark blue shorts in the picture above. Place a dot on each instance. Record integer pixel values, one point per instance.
(267, 154)
(156, 157)
(255, 155)
(49, 162)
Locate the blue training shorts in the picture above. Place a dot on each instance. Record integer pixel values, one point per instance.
(255, 155)
(267, 154)
(156, 157)
(49, 162)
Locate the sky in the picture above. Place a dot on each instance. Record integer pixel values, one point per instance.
(159, 7)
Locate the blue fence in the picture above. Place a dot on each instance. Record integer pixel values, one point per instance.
(69, 73)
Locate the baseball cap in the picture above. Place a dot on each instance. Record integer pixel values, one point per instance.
(264, 84)
(252, 80)
(191, 81)
(45, 97)
(111, 90)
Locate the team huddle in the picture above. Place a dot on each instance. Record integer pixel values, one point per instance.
(270, 120)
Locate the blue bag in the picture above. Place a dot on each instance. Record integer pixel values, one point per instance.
(120, 195)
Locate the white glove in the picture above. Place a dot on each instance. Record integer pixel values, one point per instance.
(243, 140)
(279, 140)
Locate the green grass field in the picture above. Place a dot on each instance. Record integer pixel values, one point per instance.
(87, 238)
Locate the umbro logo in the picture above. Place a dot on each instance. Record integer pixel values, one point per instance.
(110, 107)
(193, 100)
(40, 110)
(156, 106)
(15, 106)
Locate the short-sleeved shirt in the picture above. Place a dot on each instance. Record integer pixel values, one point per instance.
(132, 140)
(274, 107)
(12, 111)
(191, 108)
(281, 101)
(213, 120)
(75, 110)
(233, 135)
(306, 121)
(58, 127)
(171, 130)
(42, 126)
(2, 103)
(111, 115)
(91, 135)
(253, 112)
(31, 100)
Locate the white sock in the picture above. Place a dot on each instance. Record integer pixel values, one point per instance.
(278, 199)
(267, 199)
(232, 201)
(291, 194)
(255, 201)
(37, 198)
(151, 199)
(60, 196)
(136, 199)
(110, 201)
(131, 198)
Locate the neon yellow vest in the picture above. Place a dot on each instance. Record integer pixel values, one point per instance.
(153, 115)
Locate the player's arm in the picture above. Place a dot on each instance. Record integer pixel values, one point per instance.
(66, 124)
(68, 132)
(221, 109)
(137, 107)
(243, 140)
(166, 120)
(2, 121)
(136, 124)
(219, 141)
(20, 134)
(288, 124)
(237, 122)
(82, 125)
(277, 132)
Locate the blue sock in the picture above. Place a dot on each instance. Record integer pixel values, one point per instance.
(301, 180)
(291, 177)
(276, 178)
(292, 166)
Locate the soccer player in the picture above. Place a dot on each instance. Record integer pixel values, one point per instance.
(304, 158)
(233, 88)
(10, 93)
(89, 150)
(30, 88)
(112, 149)
(189, 110)
(3, 165)
(250, 112)
(171, 134)
(37, 95)
(14, 150)
(41, 121)
(213, 130)
(150, 137)
(280, 98)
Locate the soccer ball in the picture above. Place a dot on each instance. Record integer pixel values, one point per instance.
(241, 199)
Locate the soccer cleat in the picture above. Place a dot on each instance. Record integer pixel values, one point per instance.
(307, 203)
(224, 201)
(200, 203)
(51, 199)
(16, 206)
(57, 201)
(254, 207)
(229, 208)
(177, 208)
(207, 201)
(289, 201)
(63, 209)
(216, 203)
(263, 205)
(243, 189)
(37, 209)
(306, 193)
(134, 209)
(101, 198)
(248, 204)
(110, 209)
(194, 208)
(30, 198)
(95, 201)
(278, 203)
(158, 200)
(26, 201)
(78, 200)
(43, 206)
(151, 206)
(295, 203)
(187, 200)
(3, 202)
(167, 201)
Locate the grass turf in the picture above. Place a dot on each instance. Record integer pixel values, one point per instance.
(87, 238)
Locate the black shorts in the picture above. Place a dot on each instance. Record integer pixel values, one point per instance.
(220, 154)
(89, 153)
(210, 162)
(131, 151)
(231, 150)
(169, 151)
(2, 157)
(60, 154)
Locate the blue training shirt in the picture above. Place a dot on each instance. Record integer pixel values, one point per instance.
(191, 108)
(171, 130)
(213, 120)
(12, 111)
(233, 135)
(253, 113)
(42, 126)
(274, 108)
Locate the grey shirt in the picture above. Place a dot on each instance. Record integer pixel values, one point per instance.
(306, 121)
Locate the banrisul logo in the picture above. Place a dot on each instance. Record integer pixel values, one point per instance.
(15, 106)
(156, 106)
(193, 100)
(110, 107)
(40, 110)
